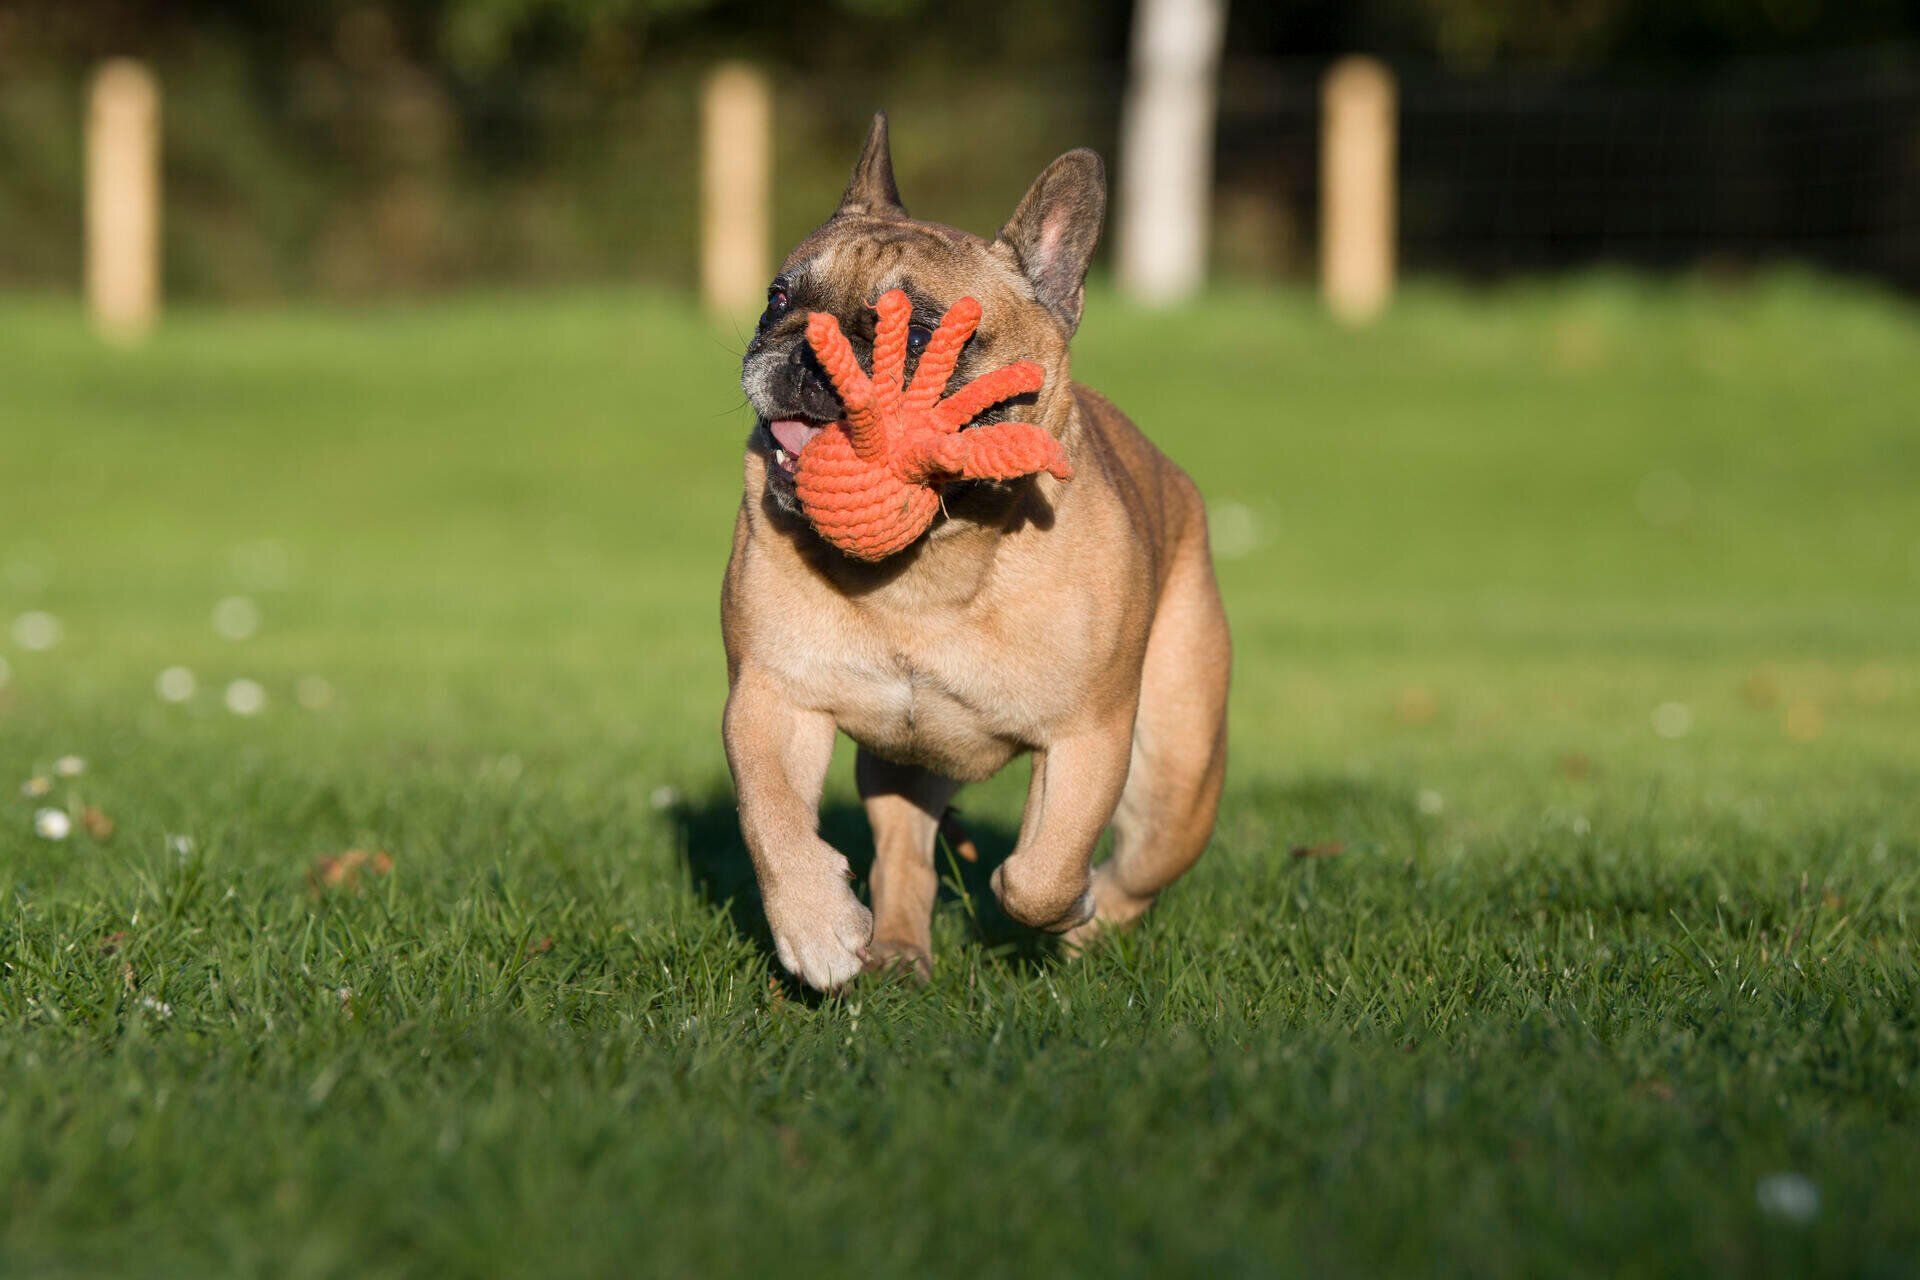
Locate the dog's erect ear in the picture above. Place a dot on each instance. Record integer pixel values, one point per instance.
(1055, 229)
(871, 188)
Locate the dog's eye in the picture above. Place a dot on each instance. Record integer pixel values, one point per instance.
(777, 304)
(918, 336)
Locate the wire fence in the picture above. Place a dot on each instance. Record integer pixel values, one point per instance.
(337, 183)
(1813, 160)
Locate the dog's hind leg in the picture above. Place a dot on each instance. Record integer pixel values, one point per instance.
(904, 805)
(1166, 813)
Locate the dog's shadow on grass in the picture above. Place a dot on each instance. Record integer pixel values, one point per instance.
(708, 831)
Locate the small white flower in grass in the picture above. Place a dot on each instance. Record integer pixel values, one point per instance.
(236, 618)
(1673, 720)
(69, 766)
(246, 698)
(175, 684)
(35, 787)
(1233, 529)
(1582, 827)
(180, 846)
(1790, 1197)
(52, 824)
(159, 1007)
(664, 797)
(313, 692)
(36, 631)
(1430, 801)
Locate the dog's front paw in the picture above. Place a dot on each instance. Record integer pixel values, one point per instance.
(1054, 903)
(820, 930)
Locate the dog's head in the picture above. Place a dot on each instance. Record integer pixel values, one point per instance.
(1029, 280)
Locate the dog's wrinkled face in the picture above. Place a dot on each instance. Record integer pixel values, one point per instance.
(1028, 281)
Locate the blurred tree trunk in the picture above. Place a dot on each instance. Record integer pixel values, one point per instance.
(1166, 147)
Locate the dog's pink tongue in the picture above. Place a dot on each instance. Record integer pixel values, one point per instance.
(794, 434)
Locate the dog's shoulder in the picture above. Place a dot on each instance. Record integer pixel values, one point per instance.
(1160, 498)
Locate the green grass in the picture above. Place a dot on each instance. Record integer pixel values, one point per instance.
(1570, 991)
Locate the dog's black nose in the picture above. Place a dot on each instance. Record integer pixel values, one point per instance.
(807, 369)
(807, 386)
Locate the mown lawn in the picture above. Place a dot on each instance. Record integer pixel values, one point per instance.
(1578, 645)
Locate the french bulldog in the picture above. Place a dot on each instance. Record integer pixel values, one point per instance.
(1076, 622)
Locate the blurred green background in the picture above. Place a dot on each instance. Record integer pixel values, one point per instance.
(1561, 915)
(353, 149)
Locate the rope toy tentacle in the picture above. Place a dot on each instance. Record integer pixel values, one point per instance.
(870, 483)
(1005, 450)
(974, 399)
(890, 350)
(836, 356)
(942, 354)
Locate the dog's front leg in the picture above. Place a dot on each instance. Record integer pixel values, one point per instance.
(904, 804)
(779, 753)
(1076, 787)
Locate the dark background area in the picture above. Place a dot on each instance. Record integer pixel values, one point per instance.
(609, 41)
(367, 149)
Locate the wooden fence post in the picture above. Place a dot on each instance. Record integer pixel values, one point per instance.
(736, 163)
(1357, 196)
(1166, 147)
(123, 200)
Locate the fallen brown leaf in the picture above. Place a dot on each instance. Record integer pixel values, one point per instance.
(113, 941)
(345, 870)
(1576, 766)
(1761, 690)
(541, 947)
(790, 1152)
(1804, 721)
(1416, 705)
(957, 836)
(1579, 346)
(96, 823)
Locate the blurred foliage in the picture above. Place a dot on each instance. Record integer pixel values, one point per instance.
(353, 147)
(352, 185)
(615, 40)
(1475, 35)
(604, 41)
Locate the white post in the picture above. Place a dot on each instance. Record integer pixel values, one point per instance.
(1166, 147)
(123, 200)
(736, 162)
(1357, 198)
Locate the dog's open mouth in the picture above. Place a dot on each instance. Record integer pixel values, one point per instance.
(790, 436)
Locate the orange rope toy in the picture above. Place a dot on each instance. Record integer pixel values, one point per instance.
(870, 482)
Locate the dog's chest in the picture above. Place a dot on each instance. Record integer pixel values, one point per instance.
(943, 697)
